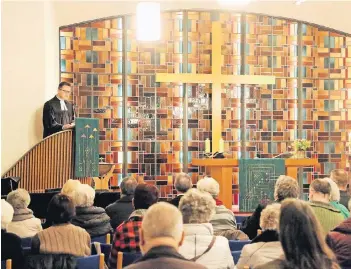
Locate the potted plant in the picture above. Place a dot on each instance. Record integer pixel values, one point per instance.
(300, 146)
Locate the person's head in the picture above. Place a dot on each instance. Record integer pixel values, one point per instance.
(182, 183)
(197, 206)
(302, 237)
(70, 187)
(286, 187)
(19, 199)
(270, 217)
(341, 178)
(128, 185)
(6, 214)
(320, 191)
(64, 90)
(61, 209)
(210, 185)
(334, 190)
(84, 196)
(145, 195)
(157, 230)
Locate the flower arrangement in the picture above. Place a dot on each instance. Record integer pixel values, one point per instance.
(301, 145)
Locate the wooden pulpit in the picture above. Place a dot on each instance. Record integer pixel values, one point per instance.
(221, 170)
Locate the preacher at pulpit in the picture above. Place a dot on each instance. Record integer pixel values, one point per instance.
(58, 113)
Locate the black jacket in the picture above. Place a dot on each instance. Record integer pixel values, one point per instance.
(11, 249)
(93, 219)
(252, 223)
(120, 210)
(175, 201)
(51, 261)
(266, 236)
(164, 257)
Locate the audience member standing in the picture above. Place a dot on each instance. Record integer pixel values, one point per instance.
(335, 198)
(341, 178)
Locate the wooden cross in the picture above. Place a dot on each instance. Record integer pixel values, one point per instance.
(216, 78)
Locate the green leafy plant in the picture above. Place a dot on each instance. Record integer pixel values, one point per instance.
(301, 144)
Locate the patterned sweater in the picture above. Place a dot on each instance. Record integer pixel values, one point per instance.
(62, 239)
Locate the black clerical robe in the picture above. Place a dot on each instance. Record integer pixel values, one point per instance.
(54, 118)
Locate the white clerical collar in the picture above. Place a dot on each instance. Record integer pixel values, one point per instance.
(62, 103)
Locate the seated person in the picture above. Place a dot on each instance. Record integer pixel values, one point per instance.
(10, 243)
(223, 221)
(319, 196)
(335, 198)
(200, 243)
(302, 239)
(62, 237)
(126, 237)
(339, 240)
(24, 224)
(91, 218)
(120, 210)
(341, 178)
(182, 184)
(265, 247)
(285, 187)
(160, 239)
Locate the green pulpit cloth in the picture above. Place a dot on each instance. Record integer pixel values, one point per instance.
(257, 178)
(86, 148)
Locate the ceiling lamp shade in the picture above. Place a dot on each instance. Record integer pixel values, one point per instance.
(148, 21)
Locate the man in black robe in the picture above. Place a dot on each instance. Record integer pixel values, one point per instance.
(58, 113)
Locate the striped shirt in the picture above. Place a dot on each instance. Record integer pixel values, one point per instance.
(224, 219)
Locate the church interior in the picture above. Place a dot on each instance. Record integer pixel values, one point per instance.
(246, 102)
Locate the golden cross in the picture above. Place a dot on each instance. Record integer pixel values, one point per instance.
(216, 78)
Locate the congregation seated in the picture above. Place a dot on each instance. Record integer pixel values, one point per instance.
(126, 237)
(302, 239)
(91, 218)
(182, 184)
(285, 187)
(120, 210)
(200, 243)
(10, 243)
(160, 239)
(62, 237)
(335, 198)
(266, 246)
(339, 240)
(223, 221)
(319, 195)
(341, 178)
(23, 224)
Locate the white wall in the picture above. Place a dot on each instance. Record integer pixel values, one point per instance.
(30, 49)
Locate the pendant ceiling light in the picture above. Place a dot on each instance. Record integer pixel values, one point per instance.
(148, 21)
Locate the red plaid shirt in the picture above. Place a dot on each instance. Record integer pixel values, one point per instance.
(126, 238)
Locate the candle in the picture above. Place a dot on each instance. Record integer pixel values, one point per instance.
(207, 145)
(349, 136)
(221, 145)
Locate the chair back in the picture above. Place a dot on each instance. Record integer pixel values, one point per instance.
(26, 242)
(236, 256)
(91, 262)
(105, 249)
(103, 239)
(125, 258)
(237, 245)
(7, 264)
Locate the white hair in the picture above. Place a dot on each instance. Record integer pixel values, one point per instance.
(210, 185)
(6, 214)
(270, 217)
(334, 190)
(197, 206)
(19, 199)
(162, 220)
(70, 187)
(83, 196)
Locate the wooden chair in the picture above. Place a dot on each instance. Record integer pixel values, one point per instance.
(237, 245)
(259, 231)
(91, 262)
(6, 264)
(103, 239)
(126, 258)
(236, 256)
(105, 249)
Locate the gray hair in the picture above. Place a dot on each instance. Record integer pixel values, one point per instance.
(270, 217)
(156, 225)
(128, 185)
(182, 182)
(210, 185)
(83, 196)
(18, 199)
(335, 192)
(6, 214)
(197, 206)
(286, 187)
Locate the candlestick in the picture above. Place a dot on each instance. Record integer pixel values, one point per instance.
(207, 145)
(221, 145)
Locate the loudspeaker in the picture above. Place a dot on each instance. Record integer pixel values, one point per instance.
(9, 184)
